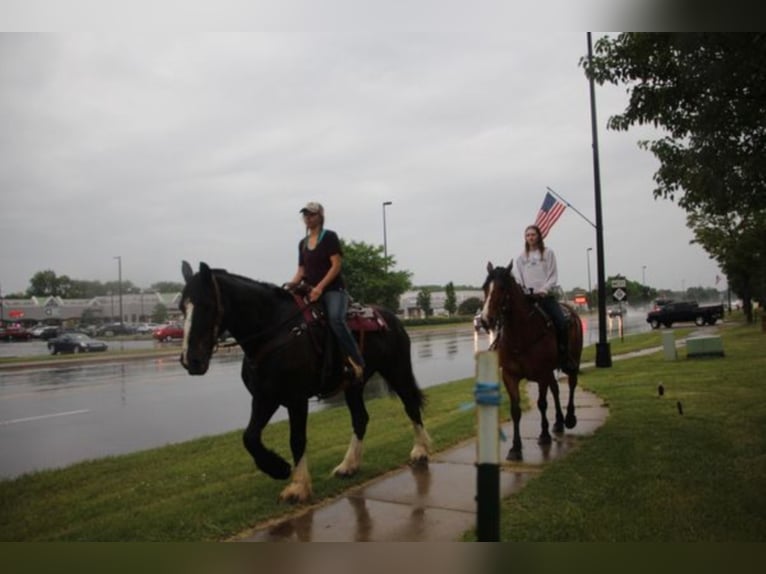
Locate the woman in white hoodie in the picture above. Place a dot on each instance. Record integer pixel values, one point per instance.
(537, 273)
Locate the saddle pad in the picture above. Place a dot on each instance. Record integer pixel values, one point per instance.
(361, 318)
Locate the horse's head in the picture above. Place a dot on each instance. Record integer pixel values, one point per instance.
(496, 286)
(203, 312)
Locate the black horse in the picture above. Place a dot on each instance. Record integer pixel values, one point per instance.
(284, 346)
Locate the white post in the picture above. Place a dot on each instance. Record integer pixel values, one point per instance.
(487, 395)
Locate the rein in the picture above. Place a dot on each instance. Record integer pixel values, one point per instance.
(304, 309)
(505, 312)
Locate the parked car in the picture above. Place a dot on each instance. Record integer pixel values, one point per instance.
(146, 328)
(75, 343)
(168, 332)
(684, 311)
(14, 333)
(111, 329)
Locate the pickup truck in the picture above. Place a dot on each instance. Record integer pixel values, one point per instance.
(684, 311)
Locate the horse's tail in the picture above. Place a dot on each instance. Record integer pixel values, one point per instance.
(396, 363)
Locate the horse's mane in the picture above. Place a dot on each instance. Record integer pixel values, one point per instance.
(252, 283)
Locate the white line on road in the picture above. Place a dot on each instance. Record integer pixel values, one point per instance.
(40, 417)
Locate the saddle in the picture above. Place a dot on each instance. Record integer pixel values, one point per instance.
(336, 373)
(360, 318)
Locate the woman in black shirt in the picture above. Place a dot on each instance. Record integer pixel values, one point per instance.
(319, 264)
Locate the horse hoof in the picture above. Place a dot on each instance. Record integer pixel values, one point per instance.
(344, 472)
(295, 493)
(513, 454)
(571, 421)
(558, 428)
(421, 461)
(544, 439)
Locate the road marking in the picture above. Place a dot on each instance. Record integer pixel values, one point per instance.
(40, 417)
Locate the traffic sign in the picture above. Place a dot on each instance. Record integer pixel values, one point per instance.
(619, 295)
(619, 283)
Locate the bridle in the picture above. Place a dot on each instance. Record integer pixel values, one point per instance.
(507, 283)
(274, 343)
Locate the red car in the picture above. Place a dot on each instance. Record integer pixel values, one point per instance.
(169, 332)
(14, 333)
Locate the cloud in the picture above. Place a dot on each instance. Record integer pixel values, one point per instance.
(166, 146)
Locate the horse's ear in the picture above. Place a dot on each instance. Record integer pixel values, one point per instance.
(204, 270)
(510, 266)
(489, 267)
(186, 270)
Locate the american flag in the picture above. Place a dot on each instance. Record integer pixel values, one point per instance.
(549, 213)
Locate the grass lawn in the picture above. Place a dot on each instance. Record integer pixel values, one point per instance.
(647, 474)
(653, 474)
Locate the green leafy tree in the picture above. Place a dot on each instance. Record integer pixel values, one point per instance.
(707, 91)
(365, 273)
(47, 283)
(469, 306)
(424, 301)
(86, 289)
(450, 299)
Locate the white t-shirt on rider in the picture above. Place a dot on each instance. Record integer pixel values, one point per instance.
(537, 272)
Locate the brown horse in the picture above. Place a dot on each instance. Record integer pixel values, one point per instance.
(527, 350)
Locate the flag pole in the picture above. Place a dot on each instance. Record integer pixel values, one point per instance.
(572, 207)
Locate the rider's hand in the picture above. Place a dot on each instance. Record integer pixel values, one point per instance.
(315, 294)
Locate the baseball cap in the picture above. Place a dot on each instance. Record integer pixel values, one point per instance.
(313, 207)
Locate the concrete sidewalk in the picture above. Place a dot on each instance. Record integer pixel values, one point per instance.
(435, 502)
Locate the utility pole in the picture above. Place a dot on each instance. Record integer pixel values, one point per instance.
(603, 353)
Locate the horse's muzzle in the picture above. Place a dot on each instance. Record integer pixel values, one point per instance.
(194, 366)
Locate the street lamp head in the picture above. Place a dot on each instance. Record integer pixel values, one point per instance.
(387, 202)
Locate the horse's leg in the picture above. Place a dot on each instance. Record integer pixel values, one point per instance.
(571, 418)
(558, 425)
(512, 386)
(352, 461)
(299, 489)
(400, 377)
(542, 405)
(266, 460)
(575, 346)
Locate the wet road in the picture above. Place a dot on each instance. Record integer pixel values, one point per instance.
(52, 417)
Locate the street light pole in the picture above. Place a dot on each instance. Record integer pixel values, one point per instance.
(385, 244)
(119, 282)
(603, 352)
(587, 257)
(643, 275)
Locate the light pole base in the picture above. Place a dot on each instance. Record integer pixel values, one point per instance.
(603, 355)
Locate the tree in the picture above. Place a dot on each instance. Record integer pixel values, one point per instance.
(48, 284)
(469, 306)
(450, 301)
(365, 273)
(708, 92)
(424, 302)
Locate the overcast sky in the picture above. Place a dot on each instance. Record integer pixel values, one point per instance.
(161, 146)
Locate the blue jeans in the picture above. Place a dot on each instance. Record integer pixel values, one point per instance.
(552, 307)
(336, 306)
